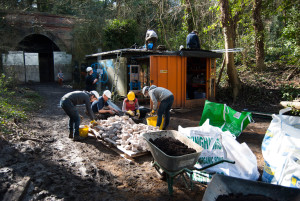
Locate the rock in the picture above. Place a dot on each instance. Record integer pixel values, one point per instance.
(6, 173)
(17, 191)
(115, 138)
(37, 150)
(41, 195)
(50, 140)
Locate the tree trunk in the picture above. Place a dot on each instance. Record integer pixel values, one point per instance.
(162, 24)
(228, 30)
(221, 71)
(118, 4)
(259, 35)
(188, 15)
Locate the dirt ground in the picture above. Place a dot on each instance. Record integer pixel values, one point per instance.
(59, 169)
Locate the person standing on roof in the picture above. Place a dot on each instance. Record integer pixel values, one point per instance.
(91, 80)
(68, 103)
(101, 107)
(192, 40)
(151, 40)
(166, 99)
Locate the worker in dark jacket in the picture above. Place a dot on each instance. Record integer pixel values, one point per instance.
(192, 40)
(91, 80)
(68, 103)
(101, 108)
(166, 99)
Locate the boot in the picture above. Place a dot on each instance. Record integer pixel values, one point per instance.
(71, 134)
(78, 138)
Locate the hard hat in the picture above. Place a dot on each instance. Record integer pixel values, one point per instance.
(150, 34)
(131, 96)
(96, 94)
(107, 93)
(88, 69)
(145, 89)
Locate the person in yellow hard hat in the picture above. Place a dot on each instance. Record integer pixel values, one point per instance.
(131, 105)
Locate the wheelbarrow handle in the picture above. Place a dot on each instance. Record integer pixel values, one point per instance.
(213, 164)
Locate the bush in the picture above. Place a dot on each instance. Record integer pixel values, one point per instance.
(119, 34)
(14, 103)
(289, 92)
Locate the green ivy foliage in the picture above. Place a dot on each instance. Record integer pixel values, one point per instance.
(289, 92)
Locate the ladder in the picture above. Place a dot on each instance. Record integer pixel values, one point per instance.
(116, 75)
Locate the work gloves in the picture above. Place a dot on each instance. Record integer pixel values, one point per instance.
(129, 112)
(152, 112)
(94, 123)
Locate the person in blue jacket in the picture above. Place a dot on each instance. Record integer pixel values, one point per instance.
(101, 108)
(192, 40)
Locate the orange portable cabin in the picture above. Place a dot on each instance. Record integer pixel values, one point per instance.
(189, 74)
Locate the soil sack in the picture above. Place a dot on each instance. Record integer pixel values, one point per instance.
(280, 149)
(226, 118)
(218, 145)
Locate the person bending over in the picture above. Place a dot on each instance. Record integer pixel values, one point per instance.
(166, 99)
(68, 103)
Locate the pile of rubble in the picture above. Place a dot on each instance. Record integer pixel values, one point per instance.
(123, 131)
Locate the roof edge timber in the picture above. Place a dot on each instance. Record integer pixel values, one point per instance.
(142, 52)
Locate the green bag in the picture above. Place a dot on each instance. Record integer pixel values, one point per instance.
(226, 118)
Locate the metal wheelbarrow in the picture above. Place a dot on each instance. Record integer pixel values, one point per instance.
(173, 166)
(222, 185)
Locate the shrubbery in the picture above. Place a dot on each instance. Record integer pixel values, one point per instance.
(289, 93)
(15, 103)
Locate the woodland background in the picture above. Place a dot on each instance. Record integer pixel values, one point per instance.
(266, 32)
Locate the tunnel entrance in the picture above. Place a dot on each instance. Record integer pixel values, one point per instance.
(42, 45)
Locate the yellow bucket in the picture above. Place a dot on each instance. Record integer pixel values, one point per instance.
(83, 130)
(151, 121)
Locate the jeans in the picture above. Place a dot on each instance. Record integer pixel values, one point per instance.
(164, 108)
(72, 112)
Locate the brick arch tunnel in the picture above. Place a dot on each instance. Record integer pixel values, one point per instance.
(37, 43)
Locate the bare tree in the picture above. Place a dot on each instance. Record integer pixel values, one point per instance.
(188, 12)
(228, 31)
(259, 35)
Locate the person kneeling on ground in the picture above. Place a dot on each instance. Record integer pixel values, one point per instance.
(68, 103)
(166, 99)
(101, 107)
(131, 105)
